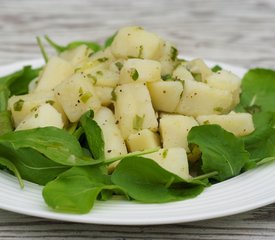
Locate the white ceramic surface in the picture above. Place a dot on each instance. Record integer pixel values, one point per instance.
(247, 191)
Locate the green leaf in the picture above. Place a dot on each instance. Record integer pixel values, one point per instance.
(18, 82)
(109, 40)
(32, 165)
(56, 144)
(9, 165)
(261, 143)
(14, 83)
(5, 122)
(92, 45)
(77, 189)
(93, 135)
(258, 89)
(134, 74)
(221, 150)
(216, 68)
(144, 180)
(4, 97)
(42, 49)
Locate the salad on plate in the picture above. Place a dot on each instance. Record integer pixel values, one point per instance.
(131, 119)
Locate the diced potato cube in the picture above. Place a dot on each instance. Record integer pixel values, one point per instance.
(240, 124)
(103, 56)
(54, 72)
(199, 69)
(105, 95)
(174, 130)
(32, 85)
(22, 105)
(100, 75)
(76, 55)
(173, 160)
(44, 116)
(226, 80)
(182, 74)
(77, 95)
(168, 58)
(139, 70)
(136, 42)
(200, 99)
(114, 143)
(133, 109)
(142, 140)
(165, 95)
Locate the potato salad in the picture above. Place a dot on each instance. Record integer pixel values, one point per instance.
(130, 118)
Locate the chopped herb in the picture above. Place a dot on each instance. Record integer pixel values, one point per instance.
(166, 77)
(51, 102)
(174, 53)
(17, 106)
(80, 91)
(36, 115)
(140, 28)
(197, 76)
(216, 68)
(164, 153)
(104, 59)
(134, 74)
(86, 96)
(92, 77)
(140, 53)
(99, 73)
(114, 96)
(138, 122)
(34, 109)
(206, 122)
(218, 109)
(77, 69)
(119, 65)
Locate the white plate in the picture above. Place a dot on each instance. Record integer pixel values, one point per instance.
(253, 189)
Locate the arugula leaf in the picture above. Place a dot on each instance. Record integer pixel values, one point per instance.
(10, 166)
(5, 116)
(93, 135)
(144, 180)
(42, 49)
(221, 150)
(56, 144)
(15, 83)
(261, 143)
(77, 189)
(18, 82)
(92, 45)
(5, 122)
(258, 87)
(257, 98)
(32, 165)
(109, 40)
(4, 96)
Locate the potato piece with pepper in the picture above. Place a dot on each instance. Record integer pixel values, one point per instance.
(135, 42)
(77, 95)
